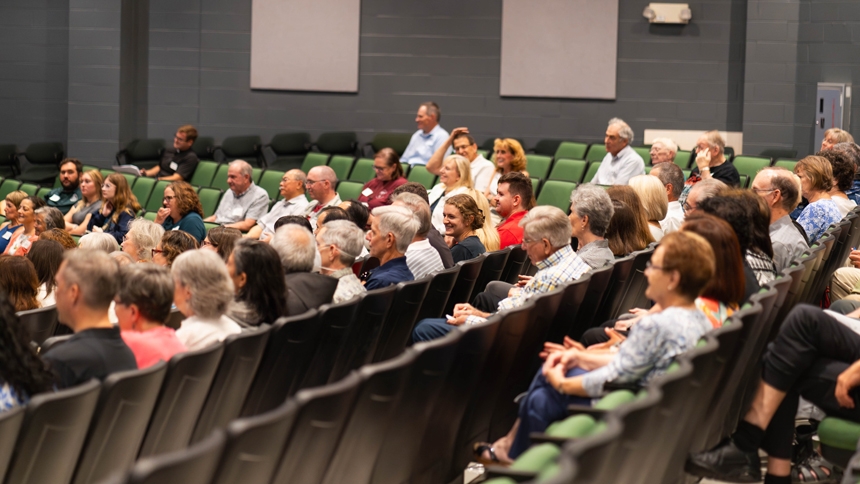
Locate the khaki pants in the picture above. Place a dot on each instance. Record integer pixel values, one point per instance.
(844, 284)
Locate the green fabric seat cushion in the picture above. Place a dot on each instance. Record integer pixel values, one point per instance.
(536, 458)
(839, 433)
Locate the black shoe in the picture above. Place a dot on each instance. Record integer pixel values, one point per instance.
(725, 462)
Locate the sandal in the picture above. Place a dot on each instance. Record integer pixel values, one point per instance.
(815, 469)
(479, 448)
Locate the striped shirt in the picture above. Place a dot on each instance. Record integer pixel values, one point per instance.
(423, 259)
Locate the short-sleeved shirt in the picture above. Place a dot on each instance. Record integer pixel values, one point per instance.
(817, 216)
(150, 347)
(392, 272)
(467, 249)
(92, 353)
(81, 215)
(377, 193)
(422, 146)
(252, 204)
(619, 169)
(596, 254)
(192, 223)
(294, 206)
(348, 285)
(510, 232)
(482, 171)
(788, 243)
(182, 162)
(63, 200)
(423, 259)
(674, 218)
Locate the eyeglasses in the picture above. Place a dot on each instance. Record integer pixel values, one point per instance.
(687, 207)
(311, 182)
(379, 168)
(167, 199)
(649, 265)
(530, 241)
(156, 251)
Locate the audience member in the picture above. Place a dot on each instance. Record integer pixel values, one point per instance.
(513, 200)
(330, 214)
(69, 191)
(292, 189)
(99, 241)
(456, 179)
(244, 203)
(654, 200)
(46, 256)
(816, 180)
(663, 150)
(389, 176)
(119, 207)
(79, 216)
(844, 171)
(258, 279)
(320, 185)
(358, 212)
(509, 156)
(297, 249)
(293, 219)
(24, 374)
(25, 235)
(391, 231)
(180, 162)
(203, 293)
(463, 219)
(86, 284)
(672, 178)
(591, 212)
(13, 218)
(852, 152)
(711, 161)
(20, 282)
(428, 138)
(621, 162)
(121, 258)
(181, 210)
(48, 218)
(143, 301)
(627, 233)
(338, 243)
(464, 145)
(60, 236)
(834, 136)
(221, 241)
(421, 257)
(436, 239)
(143, 236)
(702, 190)
(779, 189)
(173, 244)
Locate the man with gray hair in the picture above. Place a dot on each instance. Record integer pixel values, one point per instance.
(244, 203)
(320, 185)
(547, 241)
(421, 258)
(663, 150)
(672, 178)
(780, 189)
(703, 190)
(711, 163)
(429, 137)
(297, 249)
(87, 281)
(339, 242)
(391, 231)
(292, 189)
(621, 162)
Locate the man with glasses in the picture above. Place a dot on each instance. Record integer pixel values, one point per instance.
(244, 203)
(703, 190)
(464, 145)
(711, 163)
(294, 203)
(320, 186)
(780, 189)
(179, 162)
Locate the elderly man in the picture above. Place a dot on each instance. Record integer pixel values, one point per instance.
(428, 138)
(672, 178)
(436, 239)
(320, 185)
(244, 203)
(391, 231)
(339, 242)
(663, 150)
(69, 193)
(515, 198)
(711, 163)
(779, 188)
(547, 241)
(421, 258)
(703, 190)
(297, 249)
(86, 284)
(621, 162)
(464, 145)
(179, 163)
(294, 203)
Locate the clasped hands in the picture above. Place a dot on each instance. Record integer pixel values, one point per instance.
(462, 311)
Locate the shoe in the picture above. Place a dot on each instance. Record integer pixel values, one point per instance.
(725, 462)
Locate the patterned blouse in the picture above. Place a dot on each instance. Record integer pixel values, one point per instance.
(9, 398)
(817, 216)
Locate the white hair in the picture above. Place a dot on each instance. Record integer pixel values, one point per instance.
(244, 167)
(346, 236)
(398, 221)
(665, 143)
(624, 130)
(99, 241)
(420, 210)
(145, 234)
(205, 275)
(296, 247)
(547, 222)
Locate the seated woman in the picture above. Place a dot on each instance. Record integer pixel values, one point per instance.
(623, 234)
(143, 236)
(25, 235)
(203, 292)
(389, 176)
(181, 210)
(24, 374)
(455, 179)
(591, 211)
(12, 223)
(509, 156)
(46, 256)
(221, 240)
(462, 221)
(48, 218)
(638, 234)
(258, 279)
(844, 171)
(99, 241)
(143, 302)
(18, 279)
(78, 217)
(172, 244)
(61, 237)
(654, 201)
(816, 180)
(118, 208)
(678, 272)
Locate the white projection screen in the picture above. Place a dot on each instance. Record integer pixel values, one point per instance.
(305, 45)
(559, 48)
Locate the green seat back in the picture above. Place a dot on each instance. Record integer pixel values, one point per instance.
(572, 427)
(396, 141)
(535, 186)
(405, 167)
(209, 198)
(419, 174)
(209, 226)
(596, 152)
(614, 399)
(592, 170)
(204, 173)
(745, 180)
(156, 199)
(220, 180)
(362, 171)
(57, 182)
(682, 159)
(536, 458)
(150, 216)
(648, 169)
(568, 170)
(571, 150)
(645, 153)
(839, 433)
(129, 178)
(313, 159)
(142, 188)
(349, 189)
(256, 173)
(86, 168)
(271, 182)
(342, 165)
(787, 164)
(749, 165)
(556, 193)
(686, 173)
(43, 192)
(105, 172)
(538, 165)
(29, 188)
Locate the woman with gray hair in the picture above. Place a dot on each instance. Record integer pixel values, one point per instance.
(99, 241)
(203, 293)
(338, 243)
(48, 218)
(590, 212)
(142, 236)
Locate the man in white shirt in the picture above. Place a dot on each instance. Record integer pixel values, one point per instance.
(421, 258)
(663, 150)
(428, 138)
(464, 145)
(621, 162)
(294, 203)
(672, 178)
(320, 185)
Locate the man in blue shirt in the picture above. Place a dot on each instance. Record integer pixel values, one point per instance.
(69, 193)
(391, 231)
(429, 137)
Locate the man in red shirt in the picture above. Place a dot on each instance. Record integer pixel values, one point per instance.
(514, 200)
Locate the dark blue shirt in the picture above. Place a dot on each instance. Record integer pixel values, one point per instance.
(391, 272)
(467, 249)
(6, 235)
(191, 223)
(117, 229)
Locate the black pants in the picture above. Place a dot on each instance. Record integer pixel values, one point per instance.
(807, 356)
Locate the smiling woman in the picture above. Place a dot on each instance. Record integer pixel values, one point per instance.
(389, 176)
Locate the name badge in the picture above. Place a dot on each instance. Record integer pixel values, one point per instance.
(173, 165)
(7, 236)
(175, 228)
(367, 192)
(237, 212)
(54, 198)
(74, 198)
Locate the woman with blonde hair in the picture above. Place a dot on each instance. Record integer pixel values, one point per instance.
(143, 236)
(119, 207)
(654, 200)
(13, 222)
(508, 155)
(816, 180)
(78, 217)
(455, 179)
(834, 136)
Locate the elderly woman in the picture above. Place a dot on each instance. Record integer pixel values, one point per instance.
(172, 244)
(834, 136)
(590, 213)
(844, 170)
(203, 293)
(20, 282)
(99, 241)
(23, 373)
(816, 180)
(78, 217)
(463, 220)
(680, 269)
(12, 223)
(46, 256)
(143, 236)
(339, 242)
(389, 176)
(118, 208)
(258, 278)
(181, 210)
(48, 218)
(654, 200)
(25, 235)
(221, 240)
(455, 179)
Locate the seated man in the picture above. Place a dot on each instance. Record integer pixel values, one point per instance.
(69, 191)
(428, 138)
(143, 304)
(177, 163)
(297, 249)
(244, 203)
(294, 203)
(464, 145)
(87, 281)
(663, 150)
(780, 190)
(391, 231)
(621, 162)
(436, 239)
(672, 178)
(514, 200)
(547, 241)
(711, 163)
(421, 257)
(320, 184)
(339, 242)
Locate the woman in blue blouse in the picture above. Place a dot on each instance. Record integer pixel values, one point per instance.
(181, 210)
(679, 270)
(816, 180)
(7, 230)
(119, 207)
(23, 373)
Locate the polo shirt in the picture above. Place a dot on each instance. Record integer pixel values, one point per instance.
(192, 223)
(182, 162)
(392, 272)
(619, 169)
(422, 146)
(150, 347)
(510, 232)
(423, 259)
(63, 200)
(294, 206)
(252, 204)
(92, 353)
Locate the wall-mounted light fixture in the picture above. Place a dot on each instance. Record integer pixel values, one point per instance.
(668, 13)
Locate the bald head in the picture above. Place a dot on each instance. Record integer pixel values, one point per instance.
(320, 184)
(703, 190)
(779, 188)
(293, 184)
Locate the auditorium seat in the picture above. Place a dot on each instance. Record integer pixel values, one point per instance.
(568, 170)
(335, 322)
(683, 158)
(568, 320)
(634, 291)
(289, 150)
(396, 141)
(10, 425)
(42, 193)
(270, 180)
(570, 150)
(514, 265)
(44, 160)
(313, 159)
(644, 152)
(787, 164)
(594, 453)
(29, 188)
(622, 272)
(397, 330)
(40, 323)
(839, 438)
(362, 172)
(142, 189)
(538, 165)
(491, 270)
(142, 153)
(8, 163)
(466, 279)
(593, 166)
(557, 194)
(219, 181)
(547, 147)
(156, 198)
(359, 341)
(337, 142)
(248, 148)
(440, 288)
(192, 465)
(204, 147)
(596, 152)
(209, 199)
(419, 174)
(348, 190)
(774, 153)
(341, 165)
(8, 186)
